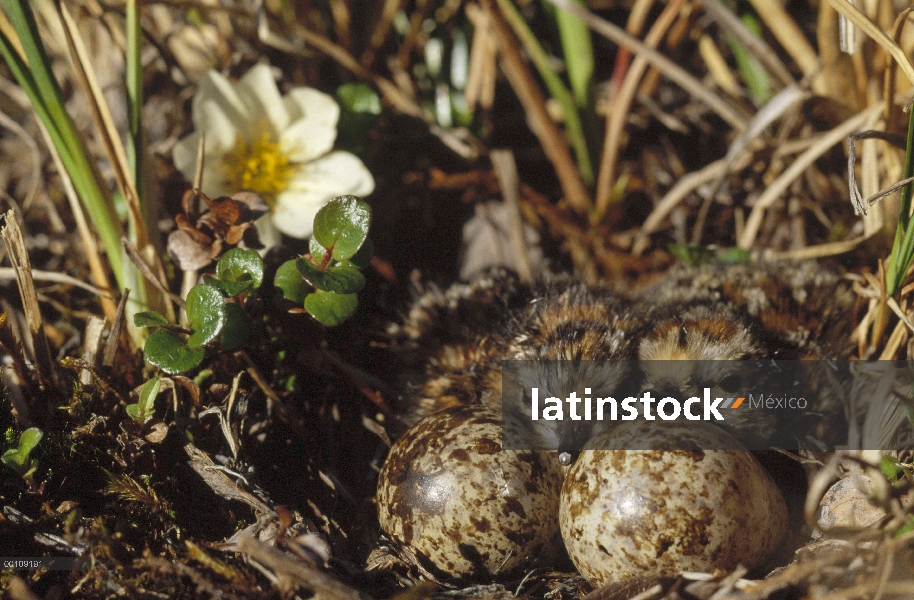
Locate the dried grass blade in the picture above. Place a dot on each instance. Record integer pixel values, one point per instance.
(305, 574)
(117, 324)
(858, 18)
(554, 144)
(779, 185)
(19, 258)
(110, 138)
(617, 113)
(788, 33)
(667, 67)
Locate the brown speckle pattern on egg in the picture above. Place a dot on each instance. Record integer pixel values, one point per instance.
(465, 507)
(626, 513)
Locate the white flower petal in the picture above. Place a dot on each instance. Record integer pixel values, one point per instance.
(295, 210)
(184, 156)
(309, 103)
(267, 232)
(221, 129)
(336, 174)
(214, 90)
(307, 140)
(258, 91)
(213, 184)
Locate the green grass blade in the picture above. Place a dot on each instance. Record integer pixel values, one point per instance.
(36, 78)
(555, 86)
(577, 49)
(135, 95)
(903, 248)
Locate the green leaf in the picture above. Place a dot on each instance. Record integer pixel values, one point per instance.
(169, 351)
(891, 468)
(906, 527)
(362, 258)
(750, 69)
(237, 327)
(329, 308)
(205, 313)
(238, 265)
(228, 288)
(143, 409)
(291, 283)
(343, 278)
(16, 458)
(317, 251)
(359, 98)
(342, 225)
(150, 318)
(734, 256)
(360, 108)
(691, 256)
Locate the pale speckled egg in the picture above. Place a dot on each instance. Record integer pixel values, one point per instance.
(626, 513)
(466, 508)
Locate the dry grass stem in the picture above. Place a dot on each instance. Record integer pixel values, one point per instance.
(616, 116)
(19, 258)
(668, 68)
(97, 265)
(756, 45)
(795, 170)
(873, 30)
(117, 324)
(791, 37)
(101, 113)
(7, 273)
(683, 187)
(389, 90)
(552, 139)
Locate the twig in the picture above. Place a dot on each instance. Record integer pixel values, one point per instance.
(390, 91)
(134, 255)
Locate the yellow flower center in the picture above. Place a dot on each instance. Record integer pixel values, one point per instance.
(259, 164)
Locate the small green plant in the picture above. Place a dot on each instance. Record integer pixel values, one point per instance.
(327, 282)
(695, 256)
(142, 411)
(18, 459)
(211, 316)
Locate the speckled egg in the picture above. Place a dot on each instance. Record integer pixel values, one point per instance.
(626, 513)
(466, 508)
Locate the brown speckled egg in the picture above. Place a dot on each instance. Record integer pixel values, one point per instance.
(466, 508)
(626, 513)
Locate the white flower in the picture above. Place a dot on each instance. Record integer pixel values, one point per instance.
(276, 146)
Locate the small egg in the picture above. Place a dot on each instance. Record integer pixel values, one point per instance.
(625, 513)
(464, 507)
